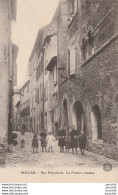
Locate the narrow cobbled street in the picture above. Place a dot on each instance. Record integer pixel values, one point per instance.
(25, 157)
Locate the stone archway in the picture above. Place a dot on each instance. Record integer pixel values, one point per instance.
(78, 116)
(96, 123)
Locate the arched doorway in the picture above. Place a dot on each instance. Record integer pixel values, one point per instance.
(65, 114)
(78, 116)
(96, 123)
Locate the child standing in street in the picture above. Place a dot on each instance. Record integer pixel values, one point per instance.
(22, 143)
(50, 141)
(43, 141)
(35, 144)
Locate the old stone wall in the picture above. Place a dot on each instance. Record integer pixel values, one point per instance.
(95, 80)
(3, 68)
(101, 76)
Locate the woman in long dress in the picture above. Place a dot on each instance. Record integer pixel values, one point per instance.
(82, 142)
(61, 140)
(74, 139)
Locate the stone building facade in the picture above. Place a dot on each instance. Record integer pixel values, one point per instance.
(73, 73)
(36, 84)
(51, 84)
(87, 64)
(8, 53)
(43, 77)
(25, 106)
(16, 104)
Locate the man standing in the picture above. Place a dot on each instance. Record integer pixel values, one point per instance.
(74, 139)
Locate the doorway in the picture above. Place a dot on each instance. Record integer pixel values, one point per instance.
(78, 116)
(65, 114)
(96, 123)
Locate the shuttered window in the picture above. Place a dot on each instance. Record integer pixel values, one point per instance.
(72, 61)
(55, 75)
(73, 6)
(37, 95)
(41, 92)
(46, 91)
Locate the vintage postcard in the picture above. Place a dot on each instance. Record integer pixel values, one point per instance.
(59, 91)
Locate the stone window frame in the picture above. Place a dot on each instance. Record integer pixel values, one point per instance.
(87, 45)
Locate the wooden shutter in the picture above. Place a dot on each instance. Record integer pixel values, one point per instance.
(71, 7)
(46, 91)
(72, 61)
(55, 75)
(75, 6)
(41, 92)
(37, 95)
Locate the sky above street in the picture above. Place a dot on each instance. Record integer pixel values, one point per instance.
(31, 16)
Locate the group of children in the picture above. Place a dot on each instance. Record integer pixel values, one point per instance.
(47, 142)
(65, 140)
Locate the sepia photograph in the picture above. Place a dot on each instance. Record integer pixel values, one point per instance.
(59, 91)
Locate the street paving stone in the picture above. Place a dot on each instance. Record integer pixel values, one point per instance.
(26, 158)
